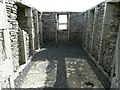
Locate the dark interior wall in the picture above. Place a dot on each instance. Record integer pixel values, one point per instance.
(110, 43)
(76, 26)
(21, 18)
(48, 26)
(75, 30)
(22, 22)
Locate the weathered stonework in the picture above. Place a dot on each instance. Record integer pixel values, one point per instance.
(111, 38)
(98, 31)
(14, 48)
(76, 26)
(74, 29)
(13, 27)
(40, 29)
(27, 45)
(2, 51)
(91, 16)
(9, 43)
(104, 35)
(84, 39)
(48, 20)
(21, 18)
(2, 58)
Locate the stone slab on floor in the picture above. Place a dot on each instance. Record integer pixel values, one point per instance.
(41, 74)
(36, 76)
(80, 74)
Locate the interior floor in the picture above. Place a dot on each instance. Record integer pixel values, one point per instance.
(63, 65)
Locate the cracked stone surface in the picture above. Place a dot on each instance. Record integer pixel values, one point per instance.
(63, 66)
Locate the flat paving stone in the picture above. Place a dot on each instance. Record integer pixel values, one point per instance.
(79, 73)
(36, 76)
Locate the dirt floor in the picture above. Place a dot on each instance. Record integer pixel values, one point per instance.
(63, 66)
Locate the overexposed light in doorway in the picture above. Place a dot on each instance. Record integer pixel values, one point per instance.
(61, 27)
(62, 18)
(62, 22)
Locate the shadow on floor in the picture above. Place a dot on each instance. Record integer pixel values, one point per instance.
(58, 52)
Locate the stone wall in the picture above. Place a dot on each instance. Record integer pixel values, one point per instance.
(98, 31)
(40, 29)
(23, 47)
(22, 21)
(102, 33)
(2, 51)
(21, 18)
(6, 64)
(36, 28)
(10, 67)
(76, 26)
(90, 30)
(48, 26)
(2, 58)
(13, 27)
(85, 38)
(110, 42)
(27, 45)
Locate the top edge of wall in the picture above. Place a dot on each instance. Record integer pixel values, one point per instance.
(58, 12)
(112, 0)
(24, 4)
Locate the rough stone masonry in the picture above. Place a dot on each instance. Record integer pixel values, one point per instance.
(24, 29)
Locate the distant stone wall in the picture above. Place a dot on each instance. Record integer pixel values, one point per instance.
(48, 26)
(76, 26)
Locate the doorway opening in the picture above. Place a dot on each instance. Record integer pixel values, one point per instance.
(62, 22)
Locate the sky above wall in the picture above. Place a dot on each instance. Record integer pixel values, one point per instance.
(63, 5)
